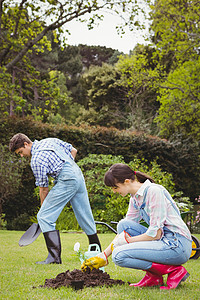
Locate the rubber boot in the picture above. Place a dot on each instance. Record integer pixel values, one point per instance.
(153, 277)
(52, 239)
(176, 275)
(149, 279)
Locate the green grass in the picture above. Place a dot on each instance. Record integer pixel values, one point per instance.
(20, 277)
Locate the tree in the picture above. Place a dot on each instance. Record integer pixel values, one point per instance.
(176, 33)
(50, 15)
(24, 90)
(73, 61)
(104, 96)
(180, 102)
(175, 28)
(139, 77)
(96, 55)
(70, 64)
(24, 26)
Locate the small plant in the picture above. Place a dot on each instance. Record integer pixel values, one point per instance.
(79, 253)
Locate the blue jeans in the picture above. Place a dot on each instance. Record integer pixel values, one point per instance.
(69, 186)
(171, 249)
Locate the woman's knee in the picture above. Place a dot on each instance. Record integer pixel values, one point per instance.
(122, 225)
(118, 257)
(126, 225)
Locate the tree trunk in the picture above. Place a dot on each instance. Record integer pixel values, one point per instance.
(11, 101)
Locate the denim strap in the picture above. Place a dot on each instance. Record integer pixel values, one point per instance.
(59, 152)
(143, 213)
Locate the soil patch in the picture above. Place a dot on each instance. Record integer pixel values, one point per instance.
(78, 279)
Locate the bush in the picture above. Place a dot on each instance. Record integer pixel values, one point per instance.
(108, 206)
(67, 220)
(180, 158)
(3, 223)
(11, 169)
(21, 222)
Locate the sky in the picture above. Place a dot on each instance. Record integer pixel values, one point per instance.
(105, 34)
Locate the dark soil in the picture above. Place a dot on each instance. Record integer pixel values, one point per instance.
(89, 278)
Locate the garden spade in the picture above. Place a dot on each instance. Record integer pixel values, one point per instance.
(30, 235)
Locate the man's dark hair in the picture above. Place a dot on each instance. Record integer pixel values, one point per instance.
(17, 141)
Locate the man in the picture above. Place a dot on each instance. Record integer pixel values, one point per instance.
(54, 157)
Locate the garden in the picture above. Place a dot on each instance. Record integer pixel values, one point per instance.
(141, 109)
(21, 278)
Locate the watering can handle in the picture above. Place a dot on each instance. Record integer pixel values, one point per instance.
(94, 245)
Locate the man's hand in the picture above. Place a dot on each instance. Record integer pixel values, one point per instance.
(43, 193)
(121, 239)
(96, 262)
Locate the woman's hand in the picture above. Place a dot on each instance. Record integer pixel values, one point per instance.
(96, 262)
(120, 239)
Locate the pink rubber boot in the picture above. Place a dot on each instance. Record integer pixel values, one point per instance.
(153, 277)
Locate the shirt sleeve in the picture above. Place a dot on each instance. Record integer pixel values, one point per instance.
(40, 171)
(157, 210)
(133, 213)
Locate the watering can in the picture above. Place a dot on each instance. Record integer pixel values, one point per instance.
(93, 250)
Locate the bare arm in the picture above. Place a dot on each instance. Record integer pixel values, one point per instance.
(144, 237)
(133, 239)
(43, 193)
(73, 152)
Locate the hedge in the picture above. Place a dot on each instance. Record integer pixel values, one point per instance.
(181, 159)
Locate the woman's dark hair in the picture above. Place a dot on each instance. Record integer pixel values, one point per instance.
(118, 173)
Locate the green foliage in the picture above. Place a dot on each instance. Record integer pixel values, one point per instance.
(3, 223)
(105, 96)
(174, 25)
(67, 220)
(17, 201)
(139, 78)
(21, 222)
(101, 198)
(23, 203)
(180, 158)
(180, 102)
(27, 32)
(106, 205)
(11, 169)
(97, 55)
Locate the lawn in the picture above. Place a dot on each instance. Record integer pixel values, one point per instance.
(20, 277)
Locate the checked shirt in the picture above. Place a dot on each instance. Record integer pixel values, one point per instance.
(47, 163)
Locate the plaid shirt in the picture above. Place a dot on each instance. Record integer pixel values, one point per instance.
(47, 163)
(159, 209)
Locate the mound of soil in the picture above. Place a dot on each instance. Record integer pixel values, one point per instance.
(78, 279)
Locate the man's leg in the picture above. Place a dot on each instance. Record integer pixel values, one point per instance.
(82, 210)
(51, 208)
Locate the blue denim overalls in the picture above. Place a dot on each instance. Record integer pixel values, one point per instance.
(171, 249)
(69, 186)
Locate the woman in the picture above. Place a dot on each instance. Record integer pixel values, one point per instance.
(159, 249)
